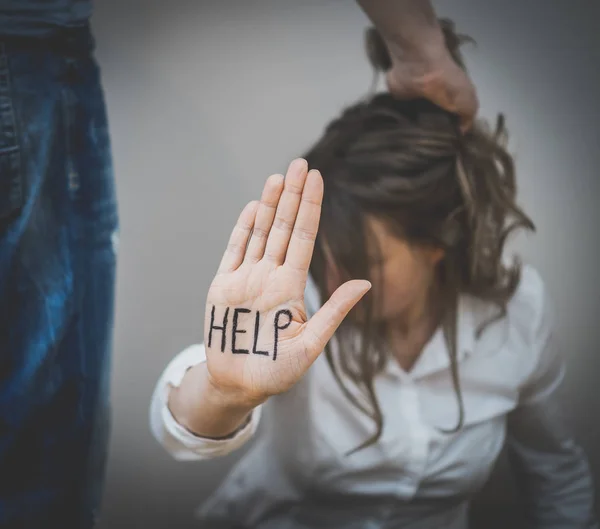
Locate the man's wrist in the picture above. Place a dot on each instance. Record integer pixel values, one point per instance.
(423, 51)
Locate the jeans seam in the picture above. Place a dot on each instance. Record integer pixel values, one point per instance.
(8, 125)
(67, 115)
(7, 111)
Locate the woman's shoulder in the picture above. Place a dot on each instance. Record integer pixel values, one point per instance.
(529, 307)
(528, 320)
(517, 343)
(528, 317)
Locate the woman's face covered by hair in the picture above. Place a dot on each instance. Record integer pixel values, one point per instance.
(403, 274)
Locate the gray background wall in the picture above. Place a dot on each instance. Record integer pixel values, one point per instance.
(207, 99)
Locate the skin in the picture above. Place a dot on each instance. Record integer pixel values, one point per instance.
(407, 276)
(421, 63)
(404, 287)
(265, 268)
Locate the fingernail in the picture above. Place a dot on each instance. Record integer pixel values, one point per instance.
(299, 164)
(275, 178)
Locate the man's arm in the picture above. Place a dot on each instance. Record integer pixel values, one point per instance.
(409, 27)
(421, 63)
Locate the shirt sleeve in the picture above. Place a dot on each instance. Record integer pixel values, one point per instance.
(550, 468)
(182, 444)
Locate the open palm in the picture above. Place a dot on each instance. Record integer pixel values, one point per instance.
(257, 336)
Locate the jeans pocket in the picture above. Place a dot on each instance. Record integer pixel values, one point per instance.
(11, 184)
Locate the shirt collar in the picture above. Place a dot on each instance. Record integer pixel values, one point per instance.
(435, 356)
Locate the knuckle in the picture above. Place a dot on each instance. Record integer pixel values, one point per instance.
(294, 189)
(271, 255)
(282, 223)
(311, 340)
(269, 203)
(337, 307)
(244, 225)
(304, 234)
(259, 233)
(311, 201)
(234, 247)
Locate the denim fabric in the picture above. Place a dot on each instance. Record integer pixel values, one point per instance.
(42, 17)
(58, 234)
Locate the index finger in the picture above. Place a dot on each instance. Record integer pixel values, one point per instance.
(238, 241)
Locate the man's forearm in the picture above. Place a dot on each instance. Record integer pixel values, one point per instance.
(421, 64)
(410, 27)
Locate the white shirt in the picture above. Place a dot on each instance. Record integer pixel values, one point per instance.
(305, 432)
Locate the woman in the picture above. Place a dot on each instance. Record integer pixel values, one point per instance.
(401, 419)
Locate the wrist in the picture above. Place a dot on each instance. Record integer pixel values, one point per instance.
(231, 399)
(422, 52)
(205, 409)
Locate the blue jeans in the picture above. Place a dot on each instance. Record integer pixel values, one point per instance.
(58, 235)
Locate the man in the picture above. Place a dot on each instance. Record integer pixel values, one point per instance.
(58, 235)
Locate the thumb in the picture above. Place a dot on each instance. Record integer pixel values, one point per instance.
(320, 328)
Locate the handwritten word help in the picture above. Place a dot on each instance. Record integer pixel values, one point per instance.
(281, 321)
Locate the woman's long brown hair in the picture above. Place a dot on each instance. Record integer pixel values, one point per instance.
(406, 162)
